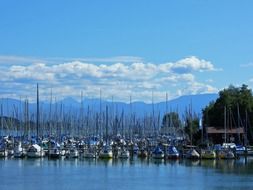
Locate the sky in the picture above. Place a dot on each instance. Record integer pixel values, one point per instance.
(124, 48)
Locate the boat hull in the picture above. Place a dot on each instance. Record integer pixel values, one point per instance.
(208, 155)
(35, 154)
(19, 154)
(3, 153)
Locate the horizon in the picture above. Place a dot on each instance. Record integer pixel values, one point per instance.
(78, 100)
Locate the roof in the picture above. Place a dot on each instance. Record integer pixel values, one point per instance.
(215, 130)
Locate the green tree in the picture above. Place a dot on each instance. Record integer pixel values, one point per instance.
(238, 101)
(171, 120)
(192, 128)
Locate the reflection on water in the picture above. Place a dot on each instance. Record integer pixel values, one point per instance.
(125, 174)
(226, 166)
(238, 166)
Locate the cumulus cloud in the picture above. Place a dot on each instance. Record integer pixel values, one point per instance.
(179, 78)
(200, 88)
(118, 79)
(191, 64)
(188, 65)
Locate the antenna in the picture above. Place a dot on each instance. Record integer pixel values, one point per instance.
(166, 102)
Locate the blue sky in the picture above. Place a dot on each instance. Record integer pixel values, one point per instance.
(125, 47)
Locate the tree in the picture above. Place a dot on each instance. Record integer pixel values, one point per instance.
(171, 120)
(238, 101)
(192, 128)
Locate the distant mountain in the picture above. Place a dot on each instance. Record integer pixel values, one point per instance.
(69, 105)
(198, 102)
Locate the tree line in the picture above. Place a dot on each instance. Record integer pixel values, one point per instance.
(234, 104)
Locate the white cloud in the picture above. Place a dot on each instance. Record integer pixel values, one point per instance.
(188, 65)
(120, 80)
(193, 64)
(38, 71)
(200, 88)
(179, 78)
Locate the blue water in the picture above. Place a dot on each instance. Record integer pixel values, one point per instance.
(134, 174)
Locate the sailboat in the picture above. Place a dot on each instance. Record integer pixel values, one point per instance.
(19, 151)
(3, 151)
(72, 152)
(123, 153)
(90, 150)
(172, 153)
(158, 153)
(89, 153)
(54, 152)
(54, 149)
(106, 151)
(226, 150)
(226, 154)
(208, 154)
(191, 153)
(35, 151)
(142, 153)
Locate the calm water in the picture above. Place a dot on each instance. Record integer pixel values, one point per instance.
(128, 174)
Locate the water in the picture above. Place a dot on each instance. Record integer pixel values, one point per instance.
(134, 174)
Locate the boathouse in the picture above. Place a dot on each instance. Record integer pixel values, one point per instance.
(217, 135)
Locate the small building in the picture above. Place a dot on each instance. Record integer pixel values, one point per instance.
(217, 134)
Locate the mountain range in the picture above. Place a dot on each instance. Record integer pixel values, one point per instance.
(11, 107)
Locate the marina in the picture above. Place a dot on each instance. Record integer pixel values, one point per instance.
(126, 95)
(105, 149)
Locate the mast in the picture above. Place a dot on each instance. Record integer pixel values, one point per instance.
(122, 124)
(166, 127)
(97, 125)
(238, 123)
(27, 123)
(131, 117)
(246, 129)
(153, 115)
(81, 116)
(225, 123)
(88, 130)
(2, 120)
(38, 114)
(19, 117)
(113, 120)
(191, 130)
(100, 114)
(61, 120)
(50, 113)
(166, 102)
(106, 125)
